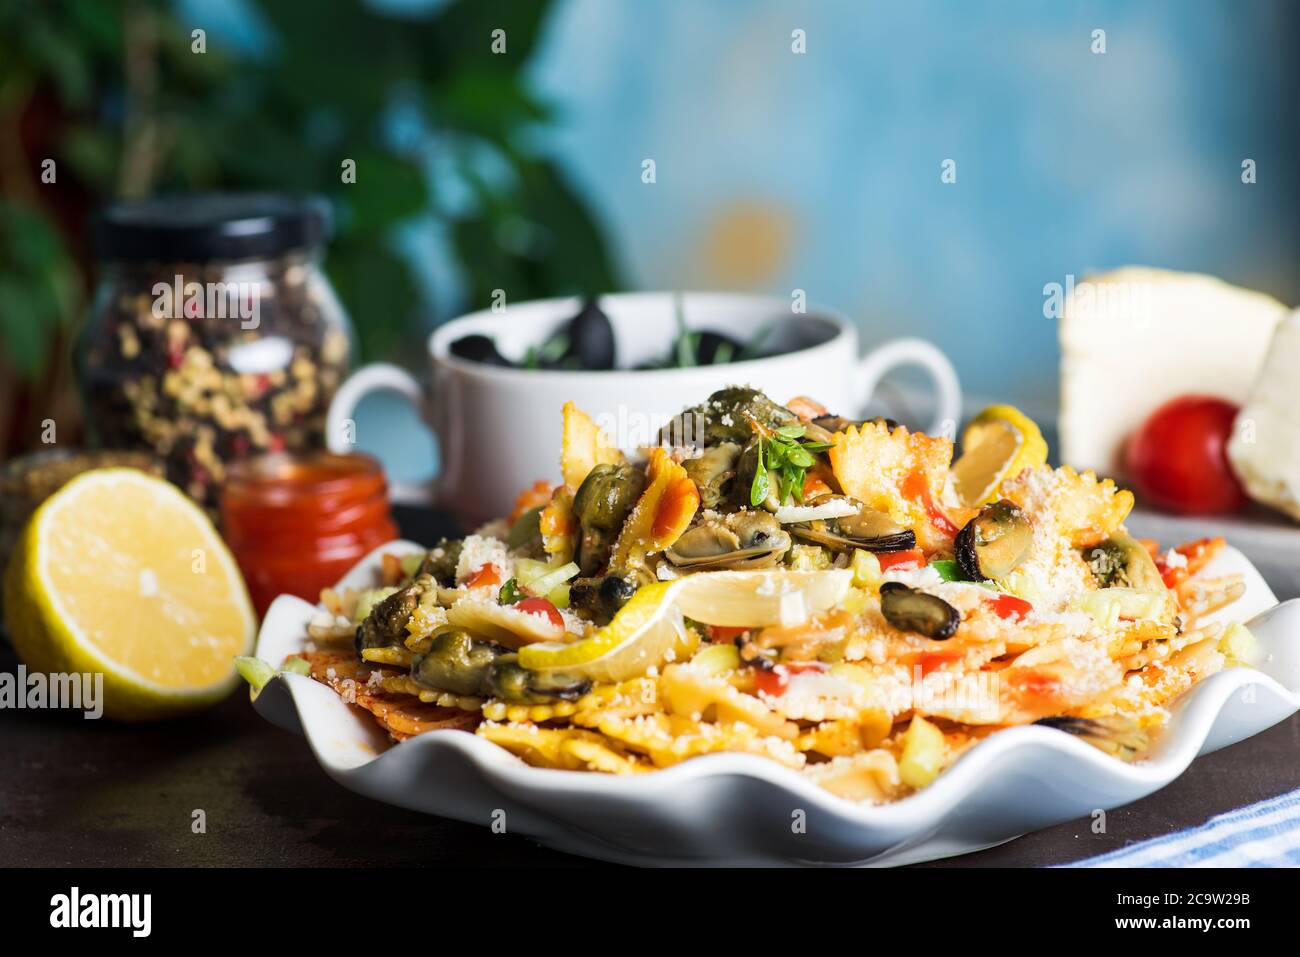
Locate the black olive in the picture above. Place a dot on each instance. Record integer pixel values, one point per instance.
(715, 348)
(591, 337)
(910, 610)
(478, 348)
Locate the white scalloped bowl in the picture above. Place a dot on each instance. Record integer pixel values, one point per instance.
(734, 809)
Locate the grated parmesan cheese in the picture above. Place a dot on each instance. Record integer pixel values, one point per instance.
(479, 550)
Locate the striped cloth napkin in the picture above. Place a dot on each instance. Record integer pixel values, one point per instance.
(1266, 834)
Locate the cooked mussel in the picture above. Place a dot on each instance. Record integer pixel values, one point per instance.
(744, 539)
(712, 472)
(385, 626)
(725, 417)
(865, 528)
(838, 423)
(994, 542)
(909, 609)
(461, 663)
(1120, 737)
(601, 505)
(441, 562)
(1122, 561)
(508, 680)
(600, 598)
(457, 662)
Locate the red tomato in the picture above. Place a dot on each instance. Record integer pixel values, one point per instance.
(1009, 606)
(904, 561)
(917, 489)
(930, 660)
(486, 574)
(540, 606)
(725, 633)
(773, 681)
(776, 681)
(1178, 459)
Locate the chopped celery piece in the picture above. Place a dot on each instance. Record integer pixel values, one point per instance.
(528, 570)
(717, 659)
(411, 563)
(254, 670)
(553, 579)
(296, 666)
(1022, 586)
(856, 600)
(1107, 606)
(367, 600)
(924, 753)
(866, 568)
(1238, 645)
(559, 596)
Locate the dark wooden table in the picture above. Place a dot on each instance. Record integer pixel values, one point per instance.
(95, 793)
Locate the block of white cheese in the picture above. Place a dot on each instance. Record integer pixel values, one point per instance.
(1134, 338)
(1265, 444)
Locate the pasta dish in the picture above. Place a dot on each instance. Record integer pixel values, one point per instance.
(842, 597)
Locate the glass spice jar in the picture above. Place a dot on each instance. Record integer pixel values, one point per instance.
(296, 524)
(214, 334)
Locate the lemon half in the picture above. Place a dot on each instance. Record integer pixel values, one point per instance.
(997, 444)
(119, 573)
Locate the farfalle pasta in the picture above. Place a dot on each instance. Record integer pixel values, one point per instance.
(841, 597)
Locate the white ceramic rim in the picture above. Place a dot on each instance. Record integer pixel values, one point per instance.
(440, 339)
(1193, 720)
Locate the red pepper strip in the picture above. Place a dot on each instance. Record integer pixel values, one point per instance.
(1009, 606)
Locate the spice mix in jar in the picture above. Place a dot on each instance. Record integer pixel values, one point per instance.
(214, 334)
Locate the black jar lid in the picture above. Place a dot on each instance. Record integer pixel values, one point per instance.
(203, 227)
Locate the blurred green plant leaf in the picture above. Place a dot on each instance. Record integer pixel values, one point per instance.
(324, 87)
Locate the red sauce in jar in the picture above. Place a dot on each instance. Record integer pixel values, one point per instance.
(297, 523)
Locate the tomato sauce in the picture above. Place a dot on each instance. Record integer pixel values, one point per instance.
(296, 524)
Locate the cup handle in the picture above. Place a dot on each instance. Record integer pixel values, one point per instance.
(340, 424)
(901, 352)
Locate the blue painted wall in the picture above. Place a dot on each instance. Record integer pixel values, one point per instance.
(822, 170)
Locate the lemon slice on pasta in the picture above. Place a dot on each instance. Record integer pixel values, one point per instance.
(645, 630)
(637, 639)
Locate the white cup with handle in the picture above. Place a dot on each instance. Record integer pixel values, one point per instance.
(498, 428)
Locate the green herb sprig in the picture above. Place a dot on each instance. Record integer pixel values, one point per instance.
(781, 452)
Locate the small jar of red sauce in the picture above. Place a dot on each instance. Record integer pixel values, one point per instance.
(297, 523)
